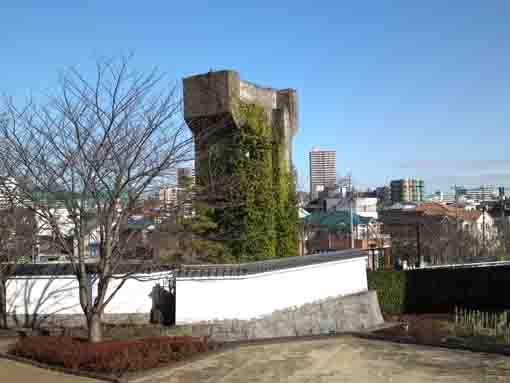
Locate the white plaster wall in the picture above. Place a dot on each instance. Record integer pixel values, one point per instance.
(199, 299)
(59, 295)
(246, 297)
(134, 297)
(43, 295)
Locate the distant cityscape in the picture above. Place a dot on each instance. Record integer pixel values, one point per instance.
(342, 215)
(400, 220)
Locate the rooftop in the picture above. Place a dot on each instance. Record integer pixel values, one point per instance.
(199, 271)
(336, 220)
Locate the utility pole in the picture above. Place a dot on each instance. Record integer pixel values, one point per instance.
(418, 245)
(503, 223)
(457, 247)
(483, 228)
(351, 200)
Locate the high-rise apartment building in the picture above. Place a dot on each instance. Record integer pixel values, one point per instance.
(407, 190)
(322, 170)
(482, 193)
(178, 197)
(168, 195)
(184, 176)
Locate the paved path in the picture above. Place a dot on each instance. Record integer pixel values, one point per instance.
(14, 372)
(343, 359)
(5, 342)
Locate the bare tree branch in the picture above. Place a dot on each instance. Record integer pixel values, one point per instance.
(82, 162)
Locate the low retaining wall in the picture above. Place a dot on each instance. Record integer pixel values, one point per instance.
(78, 320)
(332, 315)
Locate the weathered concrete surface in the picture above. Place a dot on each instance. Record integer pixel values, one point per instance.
(345, 359)
(14, 372)
(329, 316)
(210, 105)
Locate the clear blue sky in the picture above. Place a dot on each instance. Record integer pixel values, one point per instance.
(397, 89)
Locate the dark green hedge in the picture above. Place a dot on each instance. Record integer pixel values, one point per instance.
(439, 290)
(391, 289)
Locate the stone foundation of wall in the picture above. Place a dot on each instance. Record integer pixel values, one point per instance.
(77, 320)
(329, 316)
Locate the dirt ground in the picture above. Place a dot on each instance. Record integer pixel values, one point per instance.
(422, 328)
(340, 359)
(14, 372)
(344, 359)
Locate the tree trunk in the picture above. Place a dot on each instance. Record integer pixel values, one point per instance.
(3, 305)
(95, 328)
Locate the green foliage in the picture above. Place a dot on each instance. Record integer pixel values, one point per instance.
(390, 286)
(191, 239)
(258, 203)
(286, 213)
(202, 235)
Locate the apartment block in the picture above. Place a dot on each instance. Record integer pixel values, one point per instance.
(407, 190)
(322, 170)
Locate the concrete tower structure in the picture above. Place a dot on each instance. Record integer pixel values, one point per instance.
(243, 161)
(210, 110)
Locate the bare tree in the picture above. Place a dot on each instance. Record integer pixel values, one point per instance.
(17, 240)
(83, 161)
(306, 230)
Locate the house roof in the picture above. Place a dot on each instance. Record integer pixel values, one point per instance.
(139, 223)
(428, 212)
(438, 209)
(303, 213)
(336, 220)
(198, 271)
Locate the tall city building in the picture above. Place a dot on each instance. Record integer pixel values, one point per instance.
(322, 170)
(185, 175)
(482, 193)
(168, 195)
(407, 190)
(178, 198)
(383, 194)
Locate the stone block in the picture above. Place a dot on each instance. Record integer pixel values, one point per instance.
(201, 329)
(332, 315)
(303, 326)
(327, 326)
(285, 328)
(261, 331)
(315, 328)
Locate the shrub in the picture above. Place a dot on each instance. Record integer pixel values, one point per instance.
(110, 356)
(390, 286)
